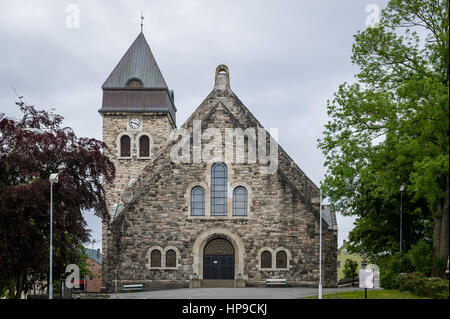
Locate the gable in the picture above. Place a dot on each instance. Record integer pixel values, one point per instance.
(220, 109)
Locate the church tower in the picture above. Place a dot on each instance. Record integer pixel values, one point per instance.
(138, 114)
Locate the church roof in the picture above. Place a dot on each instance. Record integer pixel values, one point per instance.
(329, 216)
(95, 255)
(137, 63)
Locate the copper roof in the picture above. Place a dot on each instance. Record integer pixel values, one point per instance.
(137, 63)
(154, 95)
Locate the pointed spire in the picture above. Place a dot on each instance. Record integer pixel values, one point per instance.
(137, 63)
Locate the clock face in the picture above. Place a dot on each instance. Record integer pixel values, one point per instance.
(135, 123)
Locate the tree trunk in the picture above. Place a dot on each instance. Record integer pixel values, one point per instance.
(441, 236)
(444, 239)
(12, 288)
(19, 285)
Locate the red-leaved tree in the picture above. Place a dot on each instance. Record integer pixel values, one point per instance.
(31, 148)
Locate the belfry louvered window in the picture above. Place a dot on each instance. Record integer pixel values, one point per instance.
(144, 146)
(240, 201)
(281, 259)
(198, 201)
(155, 258)
(219, 180)
(266, 259)
(171, 258)
(125, 146)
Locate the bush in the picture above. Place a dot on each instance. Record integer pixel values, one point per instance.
(420, 256)
(420, 285)
(350, 268)
(390, 267)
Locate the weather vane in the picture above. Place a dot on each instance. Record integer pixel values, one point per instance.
(142, 20)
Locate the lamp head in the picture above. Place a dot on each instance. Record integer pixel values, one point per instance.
(54, 178)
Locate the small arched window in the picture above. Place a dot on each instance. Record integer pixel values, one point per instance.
(281, 259)
(266, 260)
(144, 146)
(155, 258)
(134, 83)
(171, 258)
(219, 180)
(198, 201)
(125, 146)
(240, 201)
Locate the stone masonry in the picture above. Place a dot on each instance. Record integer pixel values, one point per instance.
(282, 211)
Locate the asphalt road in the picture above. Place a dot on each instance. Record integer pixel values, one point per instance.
(228, 293)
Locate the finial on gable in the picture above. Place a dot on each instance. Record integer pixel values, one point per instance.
(222, 81)
(142, 21)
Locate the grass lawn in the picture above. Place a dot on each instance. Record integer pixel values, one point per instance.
(371, 294)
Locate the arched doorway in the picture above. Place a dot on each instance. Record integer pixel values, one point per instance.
(218, 259)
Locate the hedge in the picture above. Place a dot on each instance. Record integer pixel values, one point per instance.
(418, 284)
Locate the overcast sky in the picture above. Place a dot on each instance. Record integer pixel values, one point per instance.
(286, 59)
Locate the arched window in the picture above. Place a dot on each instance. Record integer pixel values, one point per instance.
(125, 146)
(219, 179)
(240, 201)
(144, 146)
(171, 258)
(155, 258)
(281, 259)
(134, 83)
(266, 259)
(198, 201)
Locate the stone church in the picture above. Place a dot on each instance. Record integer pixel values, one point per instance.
(192, 206)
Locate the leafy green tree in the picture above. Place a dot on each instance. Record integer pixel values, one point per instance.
(420, 256)
(391, 128)
(350, 268)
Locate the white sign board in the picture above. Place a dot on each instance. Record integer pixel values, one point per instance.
(366, 278)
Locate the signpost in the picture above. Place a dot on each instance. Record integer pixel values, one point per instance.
(366, 280)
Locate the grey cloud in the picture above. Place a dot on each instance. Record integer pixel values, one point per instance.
(286, 58)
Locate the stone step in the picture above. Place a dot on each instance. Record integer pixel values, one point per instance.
(216, 283)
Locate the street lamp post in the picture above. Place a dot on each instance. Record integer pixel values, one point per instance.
(320, 247)
(53, 179)
(402, 188)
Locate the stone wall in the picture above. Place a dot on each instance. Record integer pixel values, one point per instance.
(284, 213)
(158, 127)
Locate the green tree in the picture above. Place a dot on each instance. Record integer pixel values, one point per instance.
(391, 128)
(350, 268)
(420, 256)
